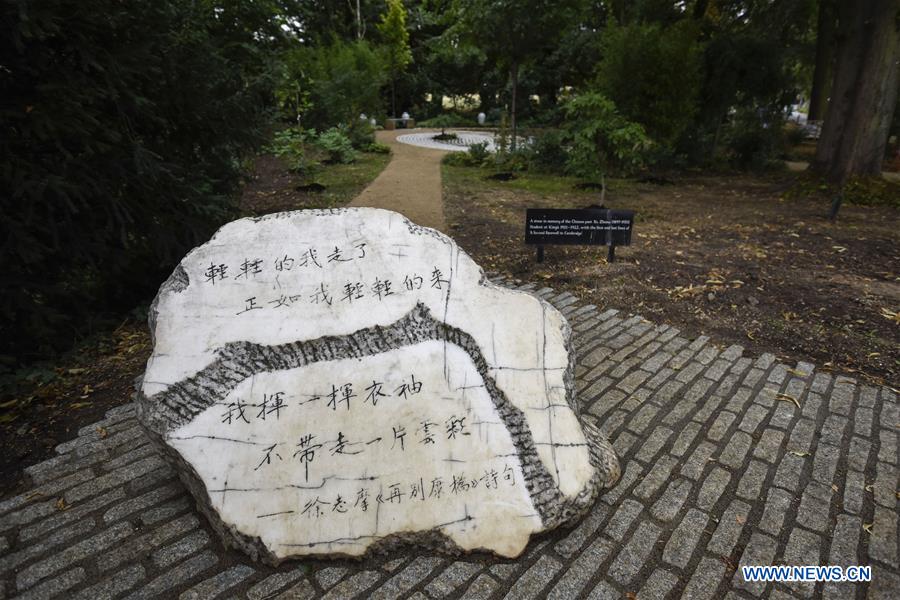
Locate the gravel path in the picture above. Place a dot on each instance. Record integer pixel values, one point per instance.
(410, 184)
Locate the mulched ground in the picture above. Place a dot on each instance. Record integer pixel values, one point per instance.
(722, 256)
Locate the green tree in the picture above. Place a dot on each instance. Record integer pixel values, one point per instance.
(396, 44)
(123, 127)
(514, 32)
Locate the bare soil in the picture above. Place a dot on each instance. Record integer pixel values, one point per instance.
(722, 256)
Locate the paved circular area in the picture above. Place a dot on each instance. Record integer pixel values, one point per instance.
(727, 459)
(461, 144)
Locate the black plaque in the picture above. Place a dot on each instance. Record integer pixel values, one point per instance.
(585, 226)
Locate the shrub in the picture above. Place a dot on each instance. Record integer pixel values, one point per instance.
(478, 153)
(361, 134)
(602, 139)
(548, 152)
(376, 148)
(336, 143)
(754, 139)
(288, 145)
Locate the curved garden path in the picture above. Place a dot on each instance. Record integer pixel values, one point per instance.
(410, 184)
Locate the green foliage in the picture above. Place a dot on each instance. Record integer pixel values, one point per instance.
(123, 126)
(377, 148)
(289, 145)
(340, 81)
(602, 139)
(755, 140)
(443, 121)
(395, 37)
(549, 152)
(653, 76)
(478, 153)
(361, 134)
(338, 146)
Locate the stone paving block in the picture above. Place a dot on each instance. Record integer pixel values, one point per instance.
(113, 479)
(56, 586)
(135, 547)
(720, 426)
(685, 439)
(885, 486)
(633, 381)
(668, 393)
(184, 547)
(832, 431)
(752, 418)
(398, 585)
(181, 573)
(57, 538)
(789, 470)
(734, 452)
(802, 436)
(854, 492)
(778, 502)
(658, 585)
(845, 541)
(634, 554)
(329, 576)
(768, 447)
(531, 584)
(653, 444)
(696, 464)
(765, 361)
(623, 443)
(30, 575)
(885, 583)
(114, 586)
(760, 550)
(354, 586)
(684, 539)
(452, 578)
(142, 502)
(620, 522)
(142, 451)
(842, 395)
(862, 421)
(753, 377)
(812, 406)
(803, 548)
(705, 580)
(573, 542)
(752, 480)
(47, 490)
(604, 591)
(726, 535)
(216, 585)
(482, 588)
(883, 541)
(632, 472)
(712, 488)
(825, 463)
(689, 372)
(582, 570)
(661, 377)
(165, 511)
(718, 369)
(820, 383)
(670, 503)
(269, 586)
(815, 505)
(655, 478)
(887, 446)
(783, 415)
(60, 518)
(642, 419)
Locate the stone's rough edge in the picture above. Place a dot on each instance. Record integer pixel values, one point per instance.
(182, 401)
(177, 282)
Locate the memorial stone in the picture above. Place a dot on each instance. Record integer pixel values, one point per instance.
(335, 382)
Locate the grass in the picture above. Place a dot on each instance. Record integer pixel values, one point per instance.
(345, 182)
(541, 184)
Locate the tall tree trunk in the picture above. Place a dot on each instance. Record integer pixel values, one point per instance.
(864, 92)
(514, 76)
(821, 85)
(393, 96)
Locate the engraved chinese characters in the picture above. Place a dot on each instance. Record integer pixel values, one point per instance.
(327, 382)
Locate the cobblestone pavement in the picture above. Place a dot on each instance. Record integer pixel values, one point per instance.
(726, 460)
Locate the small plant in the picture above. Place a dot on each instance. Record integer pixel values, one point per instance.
(288, 145)
(376, 148)
(549, 153)
(361, 134)
(478, 153)
(338, 146)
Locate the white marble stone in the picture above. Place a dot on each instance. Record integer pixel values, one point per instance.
(332, 381)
